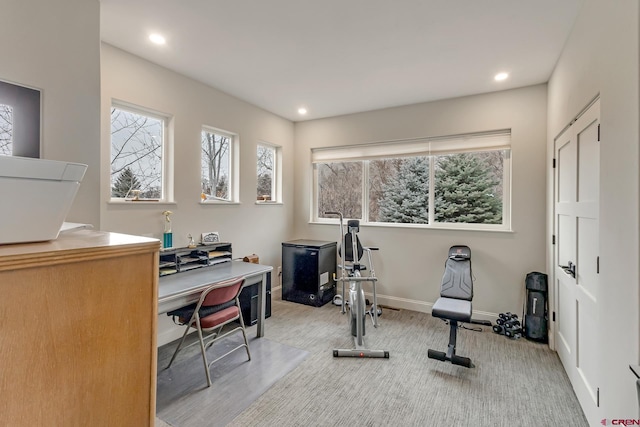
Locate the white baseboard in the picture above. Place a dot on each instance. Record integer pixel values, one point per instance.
(168, 331)
(425, 307)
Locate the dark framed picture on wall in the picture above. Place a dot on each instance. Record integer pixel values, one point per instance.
(19, 120)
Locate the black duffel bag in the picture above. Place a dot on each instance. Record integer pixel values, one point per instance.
(536, 315)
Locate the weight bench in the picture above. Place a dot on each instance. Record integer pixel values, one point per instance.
(454, 304)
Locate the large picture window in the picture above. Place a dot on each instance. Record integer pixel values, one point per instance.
(137, 147)
(460, 181)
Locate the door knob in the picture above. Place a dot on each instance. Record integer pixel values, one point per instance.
(570, 269)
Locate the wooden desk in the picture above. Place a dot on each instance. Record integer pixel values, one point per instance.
(180, 289)
(78, 326)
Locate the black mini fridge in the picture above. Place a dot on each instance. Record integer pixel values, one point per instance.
(308, 270)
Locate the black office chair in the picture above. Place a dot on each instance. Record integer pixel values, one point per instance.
(454, 304)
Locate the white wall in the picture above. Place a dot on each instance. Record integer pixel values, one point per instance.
(55, 47)
(251, 228)
(601, 57)
(410, 263)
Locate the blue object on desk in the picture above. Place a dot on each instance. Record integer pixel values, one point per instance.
(167, 240)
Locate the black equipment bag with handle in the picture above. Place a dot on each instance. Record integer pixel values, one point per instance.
(536, 317)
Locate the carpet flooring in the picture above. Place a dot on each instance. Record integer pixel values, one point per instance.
(514, 383)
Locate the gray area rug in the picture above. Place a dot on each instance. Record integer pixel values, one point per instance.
(183, 398)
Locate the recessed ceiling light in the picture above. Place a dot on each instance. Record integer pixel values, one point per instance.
(501, 76)
(302, 111)
(157, 38)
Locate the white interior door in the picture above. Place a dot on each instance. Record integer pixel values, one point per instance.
(577, 179)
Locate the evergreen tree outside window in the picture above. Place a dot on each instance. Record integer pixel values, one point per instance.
(405, 194)
(461, 181)
(124, 184)
(137, 144)
(467, 188)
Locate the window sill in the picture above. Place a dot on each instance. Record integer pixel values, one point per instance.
(140, 202)
(423, 227)
(269, 203)
(218, 203)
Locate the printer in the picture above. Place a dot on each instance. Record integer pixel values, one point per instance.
(36, 195)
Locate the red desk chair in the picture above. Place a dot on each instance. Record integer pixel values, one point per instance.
(218, 305)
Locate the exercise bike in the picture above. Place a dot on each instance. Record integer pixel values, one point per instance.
(351, 251)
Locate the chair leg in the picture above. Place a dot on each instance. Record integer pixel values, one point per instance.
(204, 354)
(175, 353)
(244, 334)
(213, 335)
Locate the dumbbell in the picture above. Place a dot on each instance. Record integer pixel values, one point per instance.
(505, 317)
(513, 323)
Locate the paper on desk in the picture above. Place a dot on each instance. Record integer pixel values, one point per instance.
(73, 226)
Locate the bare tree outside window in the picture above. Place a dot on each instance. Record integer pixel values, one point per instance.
(136, 154)
(6, 130)
(266, 170)
(340, 188)
(216, 165)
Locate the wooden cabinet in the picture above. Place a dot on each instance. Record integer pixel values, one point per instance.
(78, 331)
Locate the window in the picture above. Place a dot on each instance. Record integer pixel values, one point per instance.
(268, 173)
(6, 130)
(399, 190)
(217, 177)
(340, 188)
(460, 182)
(137, 147)
(19, 121)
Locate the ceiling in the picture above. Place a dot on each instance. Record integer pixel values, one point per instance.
(344, 56)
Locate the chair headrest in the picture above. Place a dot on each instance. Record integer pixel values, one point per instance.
(459, 252)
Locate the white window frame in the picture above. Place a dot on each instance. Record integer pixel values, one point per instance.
(234, 167)
(166, 163)
(276, 179)
(432, 147)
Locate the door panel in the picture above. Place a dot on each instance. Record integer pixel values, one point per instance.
(566, 318)
(566, 158)
(588, 164)
(577, 229)
(587, 259)
(566, 239)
